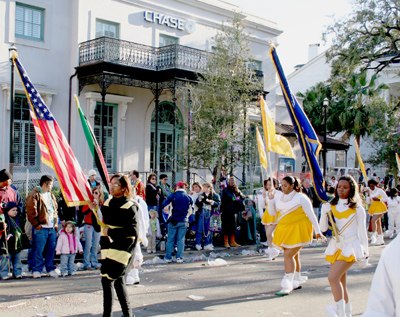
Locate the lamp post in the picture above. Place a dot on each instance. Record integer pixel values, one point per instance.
(326, 104)
(12, 52)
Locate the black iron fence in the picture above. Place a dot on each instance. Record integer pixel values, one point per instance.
(105, 49)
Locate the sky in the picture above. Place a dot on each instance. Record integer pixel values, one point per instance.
(302, 23)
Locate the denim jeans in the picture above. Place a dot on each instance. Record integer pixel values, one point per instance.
(44, 245)
(203, 225)
(3, 265)
(30, 259)
(92, 240)
(176, 235)
(15, 260)
(67, 263)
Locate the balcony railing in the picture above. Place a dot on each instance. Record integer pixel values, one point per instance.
(131, 54)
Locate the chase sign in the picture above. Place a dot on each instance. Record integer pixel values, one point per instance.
(173, 23)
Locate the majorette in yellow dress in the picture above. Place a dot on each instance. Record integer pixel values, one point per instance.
(377, 207)
(266, 219)
(353, 240)
(296, 220)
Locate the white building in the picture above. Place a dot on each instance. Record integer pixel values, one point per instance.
(128, 57)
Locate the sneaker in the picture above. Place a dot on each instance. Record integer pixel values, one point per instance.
(27, 274)
(57, 271)
(65, 275)
(18, 277)
(209, 247)
(53, 274)
(88, 269)
(198, 247)
(37, 274)
(168, 261)
(179, 260)
(148, 251)
(98, 267)
(5, 277)
(73, 273)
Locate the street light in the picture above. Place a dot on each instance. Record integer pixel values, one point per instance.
(326, 104)
(12, 53)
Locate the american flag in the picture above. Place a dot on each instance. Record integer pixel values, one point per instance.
(54, 147)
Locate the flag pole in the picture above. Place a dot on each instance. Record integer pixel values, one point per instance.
(269, 166)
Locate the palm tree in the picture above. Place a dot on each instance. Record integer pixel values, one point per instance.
(353, 109)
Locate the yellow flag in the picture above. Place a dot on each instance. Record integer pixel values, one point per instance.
(360, 161)
(398, 161)
(261, 151)
(275, 142)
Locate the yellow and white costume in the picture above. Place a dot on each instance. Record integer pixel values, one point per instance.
(266, 219)
(377, 207)
(384, 296)
(296, 220)
(353, 240)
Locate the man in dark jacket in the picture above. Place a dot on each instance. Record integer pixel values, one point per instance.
(177, 222)
(308, 190)
(66, 213)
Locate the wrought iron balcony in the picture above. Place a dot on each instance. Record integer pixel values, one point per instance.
(131, 54)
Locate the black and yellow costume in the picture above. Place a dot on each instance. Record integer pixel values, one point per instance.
(117, 250)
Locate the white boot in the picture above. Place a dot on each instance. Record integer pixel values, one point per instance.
(286, 284)
(273, 253)
(296, 280)
(341, 308)
(133, 277)
(299, 277)
(336, 310)
(348, 310)
(380, 241)
(373, 238)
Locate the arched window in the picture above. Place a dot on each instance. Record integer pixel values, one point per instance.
(165, 156)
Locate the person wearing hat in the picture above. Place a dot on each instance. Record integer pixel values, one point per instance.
(17, 241)
(7, 191)
(92, 179)
(177, 222)
(7, 194)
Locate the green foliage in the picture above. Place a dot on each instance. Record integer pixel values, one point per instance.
(358, 98)
(386, 136)
(355, 104)
(313, 107)
(367, 39)
(220, 100)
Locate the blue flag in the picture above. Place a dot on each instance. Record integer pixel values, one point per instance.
(308, 139)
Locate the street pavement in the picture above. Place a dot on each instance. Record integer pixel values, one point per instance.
(246, 286)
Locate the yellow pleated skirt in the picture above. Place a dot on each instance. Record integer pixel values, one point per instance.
(268, 220)
(377, 208)
(338, 256)
(293, 230)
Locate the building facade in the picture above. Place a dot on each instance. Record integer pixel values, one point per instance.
(125, 60)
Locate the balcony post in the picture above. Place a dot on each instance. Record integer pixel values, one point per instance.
(103, 105)
(174, 138)
(188, 137)
(156, 92)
